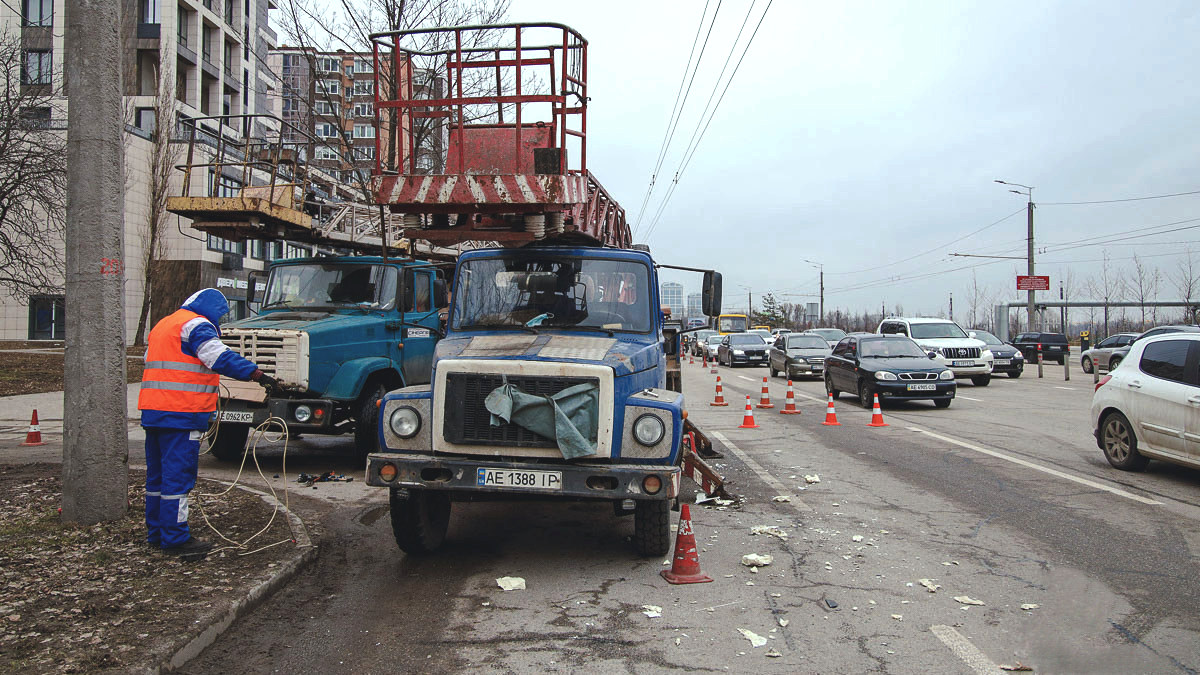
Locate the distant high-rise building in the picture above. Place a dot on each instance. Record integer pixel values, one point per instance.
(695, 305)
(672, 296)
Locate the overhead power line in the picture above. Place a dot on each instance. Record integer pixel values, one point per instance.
(1114, 201)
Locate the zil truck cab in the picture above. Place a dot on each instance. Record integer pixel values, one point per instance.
(551, 382)
(337, 332)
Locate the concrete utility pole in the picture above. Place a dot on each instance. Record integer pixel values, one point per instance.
(1029, 243)
(96, 444)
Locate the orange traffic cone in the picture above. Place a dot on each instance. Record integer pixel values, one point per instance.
(720, 398)
(789, 407)
(765, 401)
(685, 564)
(877, 415)
(34, 437)
(691, 359)
(711, 365)
(748, 420)
(830, 415)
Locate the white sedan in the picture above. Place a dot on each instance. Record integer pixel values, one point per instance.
(1148, 407)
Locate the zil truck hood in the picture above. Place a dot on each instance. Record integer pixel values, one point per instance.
(311, 322)
(624, 357)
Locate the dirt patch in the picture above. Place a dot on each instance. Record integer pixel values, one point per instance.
(87, 599)
(37, 372)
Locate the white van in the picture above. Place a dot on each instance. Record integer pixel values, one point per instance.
(964, 355)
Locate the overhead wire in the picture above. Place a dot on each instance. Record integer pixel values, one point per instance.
(1115, 201)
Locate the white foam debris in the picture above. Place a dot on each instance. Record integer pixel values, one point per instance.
(967, 600)
(511, 583)
(652, 611)
(812, 478)
(755, 639)
(773, 530)
(757, 559)
(928, 583)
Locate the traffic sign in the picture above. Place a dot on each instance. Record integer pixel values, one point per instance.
(1032, 283)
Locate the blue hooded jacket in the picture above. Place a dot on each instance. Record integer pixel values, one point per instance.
(201, 338)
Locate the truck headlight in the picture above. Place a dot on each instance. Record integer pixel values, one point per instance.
(946, 375)
(649, 430)
(886, 375)
(405, 422)
(302, 413)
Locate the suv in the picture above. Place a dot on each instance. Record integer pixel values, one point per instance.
(949, 343)
(1054, 346)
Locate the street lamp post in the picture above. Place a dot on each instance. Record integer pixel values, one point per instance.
(821, 297)
(1029, 240)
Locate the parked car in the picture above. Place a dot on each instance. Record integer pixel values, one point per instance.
(764, 334)
(949, 344)
(1146, 407)
(696, 346)
(1121, 352)
(708, 348)
(1098, 356)
(1005, 357)
(796, 355)
(1054, 347)
(830, 335)
(739, 349)
(780, 331)
(893, 366)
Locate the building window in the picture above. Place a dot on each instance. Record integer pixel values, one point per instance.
(229, 46)
(36, 118)
(206, 43)
(229, 12)
(182, 22)
(144, 119)
(363, 65)
(150, 11)
(47, 317)
(364, 109)
(325, 152)
(216, 243)
(257, 249)
(38, 13)
(37, 67)
(326, 130)
(364, 131)
(364, 152)
(331, 87)
(364, 87)
(323, 108)
(327, 64)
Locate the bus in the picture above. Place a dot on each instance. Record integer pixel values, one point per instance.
(732, 323)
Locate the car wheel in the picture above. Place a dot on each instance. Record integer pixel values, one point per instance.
(981, 380)
(1086, 364)
(419, 522)
(866, 394)
(834, 393)
(942, 402)
(1014, 374)
(774, 373)
(1113, 363)
(1120, 443)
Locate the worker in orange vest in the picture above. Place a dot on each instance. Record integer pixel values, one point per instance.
(185, 359)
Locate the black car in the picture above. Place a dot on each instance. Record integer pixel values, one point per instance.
(1007, 358)
(1119, 354)
(1054, 346)
(742, 349)
(892, 366)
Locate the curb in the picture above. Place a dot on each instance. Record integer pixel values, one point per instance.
(213, 626)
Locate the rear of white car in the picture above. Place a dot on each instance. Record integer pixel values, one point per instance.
(1148, 407)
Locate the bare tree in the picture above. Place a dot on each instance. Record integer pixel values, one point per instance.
(1110, 286)
(1186, 280)
(1143, 286)
(33, 173)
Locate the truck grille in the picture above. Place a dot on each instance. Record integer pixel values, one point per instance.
(961, 352)
(469, 423)
(282, 354)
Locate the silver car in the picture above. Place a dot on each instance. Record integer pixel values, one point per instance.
(709, 346)
(1100, 354)
(796, 355)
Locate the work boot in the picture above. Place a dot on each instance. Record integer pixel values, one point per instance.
(191, 550)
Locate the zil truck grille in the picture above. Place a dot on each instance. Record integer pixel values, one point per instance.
(276, 353)
(961, 352)
(468, 422)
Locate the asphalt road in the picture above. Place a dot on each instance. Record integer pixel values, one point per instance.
(1003, 498)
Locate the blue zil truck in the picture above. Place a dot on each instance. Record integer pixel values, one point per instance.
(337, 332)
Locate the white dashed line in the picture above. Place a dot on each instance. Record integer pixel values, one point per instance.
(748, 379)
(1067, 388)
(767, 478)
(963, 649)
(977, 400)
(1039, 467)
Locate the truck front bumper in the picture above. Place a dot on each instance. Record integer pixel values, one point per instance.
(595, 481)
(325, 415)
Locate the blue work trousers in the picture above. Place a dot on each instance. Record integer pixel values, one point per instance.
(171, 459)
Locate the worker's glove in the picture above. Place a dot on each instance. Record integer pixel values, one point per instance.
(269, 383)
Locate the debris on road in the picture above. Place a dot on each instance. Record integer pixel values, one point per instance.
(783, 623)
(1018, 668)
(757, 559)
(856, 538)
(951, 562)
(898, 617)
(773, 654)
(652, 611)
(928, 583)
(772, 530)
(1029, 605)
(307, 479)
(511, 583)
(812, 478)
(755, 639)
(781, 498)
(967, 600)
(830, 603)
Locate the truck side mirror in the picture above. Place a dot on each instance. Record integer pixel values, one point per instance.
(711, 294)
(251, 282)
(441, 298)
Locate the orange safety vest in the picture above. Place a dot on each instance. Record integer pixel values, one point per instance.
(174, 381)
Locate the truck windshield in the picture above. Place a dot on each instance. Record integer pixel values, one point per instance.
(331, 285)
(549, 291)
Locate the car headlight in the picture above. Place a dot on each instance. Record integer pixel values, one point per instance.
(405, 422)
(798, 359)
(738, 352)
(649, 430)
(1018, 356)
(926, 349)
(885, 375)
(946, 375)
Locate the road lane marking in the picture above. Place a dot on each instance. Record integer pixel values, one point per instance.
(977, 400)
(748, 379)
(1039, 467)
(1067, 388)
(767, 478)
(963, 649)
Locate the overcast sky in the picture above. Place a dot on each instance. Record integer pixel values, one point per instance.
(861, 134)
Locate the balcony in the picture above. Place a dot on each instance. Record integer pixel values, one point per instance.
(149, 31)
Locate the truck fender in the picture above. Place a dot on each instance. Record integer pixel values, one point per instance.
(352, 376)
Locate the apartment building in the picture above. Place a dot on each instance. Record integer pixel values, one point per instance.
(218, 52)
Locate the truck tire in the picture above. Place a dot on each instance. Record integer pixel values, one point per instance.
(420, 521)
(229, 442)
(652, 526)
(366, 421)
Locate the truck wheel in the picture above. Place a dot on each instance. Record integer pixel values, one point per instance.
(419, 522)
(229, 442)
(981, 380)
(652, 526)
(366, 421)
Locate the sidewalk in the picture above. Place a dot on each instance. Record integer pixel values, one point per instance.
(16, 411)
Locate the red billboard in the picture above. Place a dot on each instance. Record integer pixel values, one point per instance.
(1032, 283)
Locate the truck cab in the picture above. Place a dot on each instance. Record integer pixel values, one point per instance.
(551, 382)
(337, 332)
